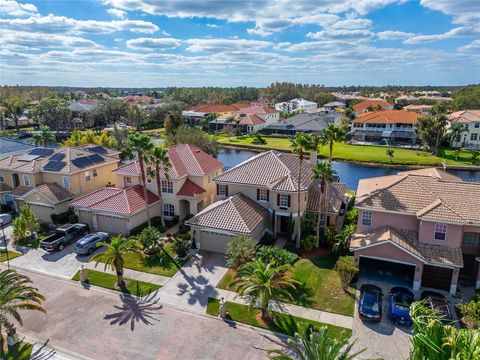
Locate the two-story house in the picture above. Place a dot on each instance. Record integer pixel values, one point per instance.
(247, 120)
(296, 104)
(470, 119)
(390, 126)
(187, 189)
(371, 105)
(47, 179)
(421, 227)
(196, 115)
(261, 195)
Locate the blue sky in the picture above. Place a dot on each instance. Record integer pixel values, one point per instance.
(152, 43)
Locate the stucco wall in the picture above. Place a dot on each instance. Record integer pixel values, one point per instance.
(379, 219)
(453, 236)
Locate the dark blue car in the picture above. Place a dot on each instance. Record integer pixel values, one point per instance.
(399, 301)
(370, 304)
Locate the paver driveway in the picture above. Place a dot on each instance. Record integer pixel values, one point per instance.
(101, 325)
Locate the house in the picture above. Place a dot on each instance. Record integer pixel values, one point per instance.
(421, 226)
(188, 189)
(296, 105)
(195, 115)
(83, 106)
(332, 106)
(419, 109)
(247, 120)
(261, 102)
(259, 196)
(470, 119)
(303, 122)
(389, 126)
(76, 170)
(9, 147)
(371, 105)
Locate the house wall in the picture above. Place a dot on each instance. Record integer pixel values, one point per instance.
(473, 250)
(466, 137)
(78, 183)
(379, 219)
(426, 234)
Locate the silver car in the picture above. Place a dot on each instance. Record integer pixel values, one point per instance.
(6, 218)
(88, 244)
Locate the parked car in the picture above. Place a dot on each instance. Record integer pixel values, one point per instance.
(63, 235)
(370, 306)
(399, 301)
(7, 219)
(439, 303)
(89, 243)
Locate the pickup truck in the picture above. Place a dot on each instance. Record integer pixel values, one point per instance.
(63, 235)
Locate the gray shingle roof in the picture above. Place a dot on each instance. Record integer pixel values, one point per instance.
(11, 146)
(307, 122)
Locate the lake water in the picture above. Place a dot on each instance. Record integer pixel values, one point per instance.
(349, 173)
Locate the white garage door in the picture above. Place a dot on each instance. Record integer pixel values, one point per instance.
(214, 242)
(111, 224)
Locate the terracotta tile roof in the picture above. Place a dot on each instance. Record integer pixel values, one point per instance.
(364, 105)
(388, 117)
(4, 187)
(271, 169)
(465, 116)
(408, 240)
(54, 192)
(417, 107)
(336, 196)
(124, 201)
(254, 110)
(250, 119)
(212, 108)
(237, 213)
(189, 188)
(427, 197)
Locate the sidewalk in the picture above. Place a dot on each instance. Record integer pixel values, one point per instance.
(300, 311)
(132, 274)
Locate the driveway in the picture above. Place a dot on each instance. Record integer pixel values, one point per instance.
(101, 325)
(195, 282)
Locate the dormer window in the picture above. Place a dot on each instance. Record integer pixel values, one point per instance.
(440, 231)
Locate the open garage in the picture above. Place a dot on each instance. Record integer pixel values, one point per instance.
(387, 271)
(437, 277)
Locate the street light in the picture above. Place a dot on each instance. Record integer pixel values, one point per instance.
(5, 243)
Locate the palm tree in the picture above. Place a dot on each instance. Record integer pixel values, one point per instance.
(263, 283)
(15, 294)
(43, 136)
(158, 157)
(113, 255)
(300, 143)
(455, 132)
(390, 152)
(316, 344)
(331, 134)
(141, 145)
(324, 173)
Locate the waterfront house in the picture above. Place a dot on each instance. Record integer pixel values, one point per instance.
(420, 227)
(371, 105)
(195, 116)
(248, 120)
(296, 105)
(303, 122)
(470, 119)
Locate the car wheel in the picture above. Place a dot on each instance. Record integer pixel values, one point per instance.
(90, 251)
(60, 247)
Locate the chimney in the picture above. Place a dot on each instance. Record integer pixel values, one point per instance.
(313, 157)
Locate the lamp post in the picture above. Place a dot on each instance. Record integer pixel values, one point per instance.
(5, 243)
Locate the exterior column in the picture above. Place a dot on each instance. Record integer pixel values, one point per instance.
(453, 285)
(477, 285)
(417, 280)
(193, 207)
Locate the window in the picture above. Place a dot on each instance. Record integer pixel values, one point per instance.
(367, 218)
(222, 190)
(87, 176)
(440, 231)
(262, 194)
(66, 182)
(471, 239)
(477, 125)
(168, 210)
(473, 136)
(94, 172)
(128, 180)
(26, 180)
(2, 179)
(167, 186)
(283, 200)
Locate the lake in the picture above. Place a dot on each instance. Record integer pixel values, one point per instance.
(350, 173)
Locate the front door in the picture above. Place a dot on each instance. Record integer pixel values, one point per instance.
(284, 222)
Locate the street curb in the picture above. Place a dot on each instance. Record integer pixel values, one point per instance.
(57, 350)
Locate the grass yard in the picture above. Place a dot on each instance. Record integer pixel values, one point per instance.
(371, 154)
(226, 280)
(11, 255)
(22, 352)
(107, 281)
(283, 323)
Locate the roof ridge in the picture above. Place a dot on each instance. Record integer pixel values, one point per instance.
(247, 161)
(379, 191)
(236, 210)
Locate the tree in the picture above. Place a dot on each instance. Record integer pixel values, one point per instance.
(300, 143)
(193, 136)
(240, 251)
(263, 283)
(158, 157)
(346, 269)
(113, 256)
(475, 154)
(142, 146)
(53, 112)
(324, 173)
(172, 122)
(455, 132)
(14, 109)
(324, 97)
(44, 136)
(19, 229)
(390, 152)
(343, 239)
(331, 134)
(431, 130)
(27, 214)
(151, 239)
(229, 130)
(258, 139)
(316, 344)
(136, 116)
(16, 293)
(111, 111)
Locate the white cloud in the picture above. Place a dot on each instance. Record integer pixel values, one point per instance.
(38, 40)
(165, 33)
(153, 43)
(340, 34)
(259, 31)
(13, 8)
(462, 11)
(394, 35)
(473, 46)
(462, 31)
(217, 45)
(117, 13)
(212, 25)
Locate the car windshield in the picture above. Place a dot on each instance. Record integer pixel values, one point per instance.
(370, 302)
(402, 302)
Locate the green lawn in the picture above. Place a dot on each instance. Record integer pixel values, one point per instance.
(133, 287)
(11, 255)
(372, 154)
(321, 288)
(22, 352)
(283, 323)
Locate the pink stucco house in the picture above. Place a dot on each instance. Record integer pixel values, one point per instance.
(423, 224)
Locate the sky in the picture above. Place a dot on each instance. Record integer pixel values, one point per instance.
(153, 43)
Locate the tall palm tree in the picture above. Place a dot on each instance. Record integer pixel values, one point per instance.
(324, 173)
(141, 145)
(113, 256)
(332, 134)
(43, 136)
(316, 344)
(263, 283)
(158, 157)
(300, 143)
(455, 132)
(16, 294)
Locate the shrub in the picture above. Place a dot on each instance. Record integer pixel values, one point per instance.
(61, 218)
(308, 223)
(43, 227)
(72, 219)
(156, 222)
(331, 234)
(471, 312)
(19, 229)
(151, 240)
(346, 269)
(281, 257)
(341, 246)
(308, 242)
(240, 251)
(258, 139)
(181, 246)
